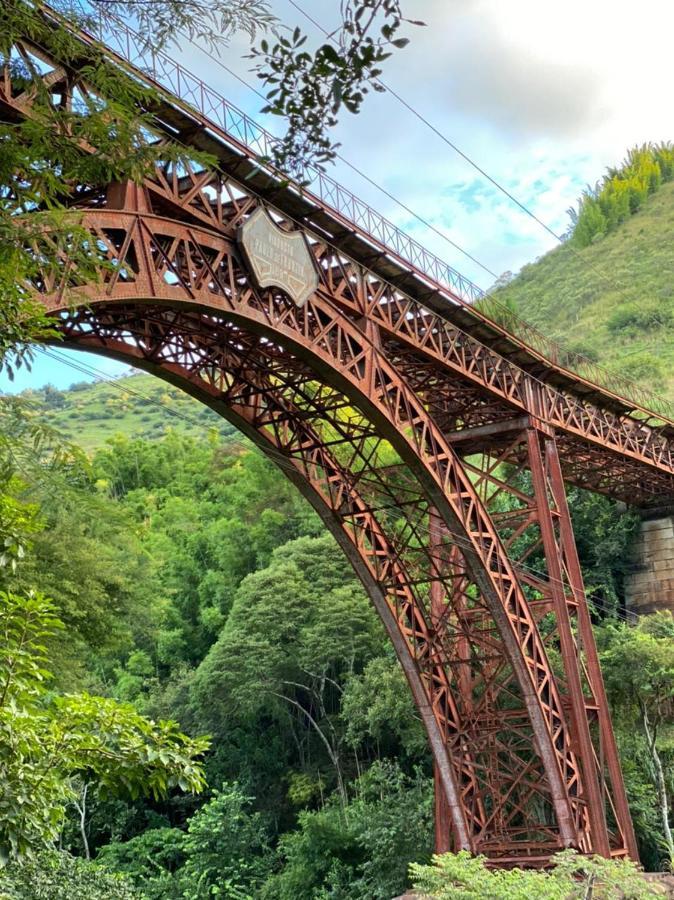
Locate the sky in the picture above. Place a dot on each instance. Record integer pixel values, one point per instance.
(543, 96)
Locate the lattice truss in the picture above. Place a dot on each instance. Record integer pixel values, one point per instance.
(440, 621)
(321, 390)
(438, 464)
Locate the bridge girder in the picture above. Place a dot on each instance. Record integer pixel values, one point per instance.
(520, 741)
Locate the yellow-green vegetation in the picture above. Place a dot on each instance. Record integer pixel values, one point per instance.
(139, 406)
(572, 877)
(612, 300)
(622, 192)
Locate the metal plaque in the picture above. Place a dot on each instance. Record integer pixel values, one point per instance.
(277, 257)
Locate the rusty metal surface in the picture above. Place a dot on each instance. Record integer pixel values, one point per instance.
(192, 107)
(437, 462)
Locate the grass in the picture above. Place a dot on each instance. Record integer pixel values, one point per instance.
(613, 300)
(138, 406)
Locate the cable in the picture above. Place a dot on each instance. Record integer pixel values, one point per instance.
(346, 162)
(655, 403)
(282, 461)
(435, 130)
(415, 112)
(578, 356)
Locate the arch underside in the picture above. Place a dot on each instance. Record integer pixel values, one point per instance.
(359, 396)
(314, 388)
(460, 668)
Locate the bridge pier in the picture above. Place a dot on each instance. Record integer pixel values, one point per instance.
(649, 586)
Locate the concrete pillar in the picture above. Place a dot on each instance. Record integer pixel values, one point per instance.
(650, 585)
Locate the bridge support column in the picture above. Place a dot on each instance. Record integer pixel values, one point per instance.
(649, 586)
(608, 750)
(443, 822)
(520, 479)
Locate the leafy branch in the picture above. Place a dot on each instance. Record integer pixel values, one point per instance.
(309, 90)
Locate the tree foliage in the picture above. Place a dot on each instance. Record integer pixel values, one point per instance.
(48, 741)
(163, 23)
(43, 163)
(622, 192)
(309, 89)
(638, 665)
(209, 593)
(54, 875)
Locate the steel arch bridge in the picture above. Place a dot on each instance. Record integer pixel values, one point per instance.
(434, 444)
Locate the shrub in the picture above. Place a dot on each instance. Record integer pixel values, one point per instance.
(636, 317)
(51, 875)
(643, 367)
(150, 860)
(461, 876)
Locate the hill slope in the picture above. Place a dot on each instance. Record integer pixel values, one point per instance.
(135, 406)
(613, 300)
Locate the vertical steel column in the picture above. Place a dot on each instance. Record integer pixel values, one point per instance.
(606, 736)
(590, 788)
(443, 823)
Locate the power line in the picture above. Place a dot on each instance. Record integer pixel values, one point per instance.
(350, 165)
(551, 347)
(443, 137)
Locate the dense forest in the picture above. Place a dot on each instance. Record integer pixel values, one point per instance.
(193, 584)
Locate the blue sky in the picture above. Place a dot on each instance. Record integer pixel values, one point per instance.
(543, 96)
(45, 370)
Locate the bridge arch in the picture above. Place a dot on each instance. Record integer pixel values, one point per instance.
(177, 301)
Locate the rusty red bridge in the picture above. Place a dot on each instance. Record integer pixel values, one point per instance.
(434, 443)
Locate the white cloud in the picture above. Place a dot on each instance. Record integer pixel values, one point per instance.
(542, 95)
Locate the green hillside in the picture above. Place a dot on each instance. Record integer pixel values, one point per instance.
(612, 300)
(138, 406)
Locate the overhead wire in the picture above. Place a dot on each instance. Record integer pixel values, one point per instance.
(466, 157)
(445, 237)
(283, 463)
(375, 184)
(416, 215)
(443, 137)
(282, 460)
(302, 225)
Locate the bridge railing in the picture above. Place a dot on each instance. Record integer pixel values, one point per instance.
(167, 73)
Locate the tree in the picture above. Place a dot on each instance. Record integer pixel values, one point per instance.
(638, 666)
(151, 860)
(296, 630)
(226, 848)
(360, 851)
(621, 192)
(224, 851)
(47, 742)
(604, 535)
(377, 706)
